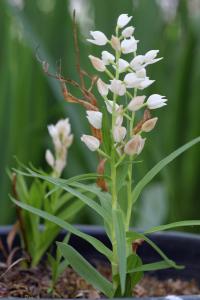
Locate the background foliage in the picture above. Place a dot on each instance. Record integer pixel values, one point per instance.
(29, 100)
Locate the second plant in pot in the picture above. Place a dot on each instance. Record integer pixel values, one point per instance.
(121, 121)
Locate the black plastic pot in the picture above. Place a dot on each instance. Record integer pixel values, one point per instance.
(183, 248)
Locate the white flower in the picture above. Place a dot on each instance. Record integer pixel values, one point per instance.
(129, 45)
(141, 73)
(119, 133)
(102, 87)
(135, 145)
(117, 87)
(128, 31)
(144, 83)
(97, 63)
(150, 57)
(94, 118)
(109, 106)
(49, 158)
(62, 140)
(119, 116)
(107, 57)
(99, 38)
(136, 103)
(91, 142)
(123, 20)
(156, 101)
(149, 125)
(131, 80)
(137, 62)
(122, 65)
(115, 43)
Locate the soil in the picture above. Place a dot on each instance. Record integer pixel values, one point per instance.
(20, 282)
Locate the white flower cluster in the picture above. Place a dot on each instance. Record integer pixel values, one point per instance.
(127, 76)
(62, 140)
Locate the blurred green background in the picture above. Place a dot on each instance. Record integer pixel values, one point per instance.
(29, 100)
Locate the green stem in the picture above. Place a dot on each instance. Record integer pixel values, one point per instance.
(130, 175)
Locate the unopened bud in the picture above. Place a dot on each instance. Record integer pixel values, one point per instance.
(119, 133)
(136, 103)
(97, 63)
(115, 43)
(149, 125)
(135, 145)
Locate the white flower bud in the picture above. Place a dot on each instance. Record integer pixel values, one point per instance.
(99, 38)
(97, 63)
(156, 101)
(122, 65)
(137, 62)
(59, 166)
(115, 43)
(135, 145)
(91, 142)
(94, 118)
(127, 32)
(129, 45)
(119, 116)
(53, 131)
(136, 103)
(109, 106)
(123, 20)
(49, 158)
(117, 87)
(149, 124)
(107, 57)
(141, 73)
(102, 87)
(131, 80)
(119, 133)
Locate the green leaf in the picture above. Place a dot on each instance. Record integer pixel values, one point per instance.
(63, 184)
(170, 262)
(86, 270)
(159, 166)
(120, 235)
(63, 224)
(160, 265)
(173, 225)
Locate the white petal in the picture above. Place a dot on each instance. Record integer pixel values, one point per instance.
(141, 73)
(136, 103)
(97, 63)
(90, 141)
(102, 87)
(122, 65)
(129, 45)
(123, 20)
(137, 62)
(150, 55)
(156, 101)
(94, 118)
(127, 32)
(131, 80)
(145, 83)
(99, 38)
(109, 106)
(119, 133)
(117, 87)
(107, 57)
(49, 158)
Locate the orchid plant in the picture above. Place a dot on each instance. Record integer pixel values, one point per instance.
(43, 195)
(120, 126)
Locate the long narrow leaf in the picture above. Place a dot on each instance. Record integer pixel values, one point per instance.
(121, 245)
(63, 224)
(159, 166)
(160, 265)
(173, 225)
(170, 262)
(86, 270)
